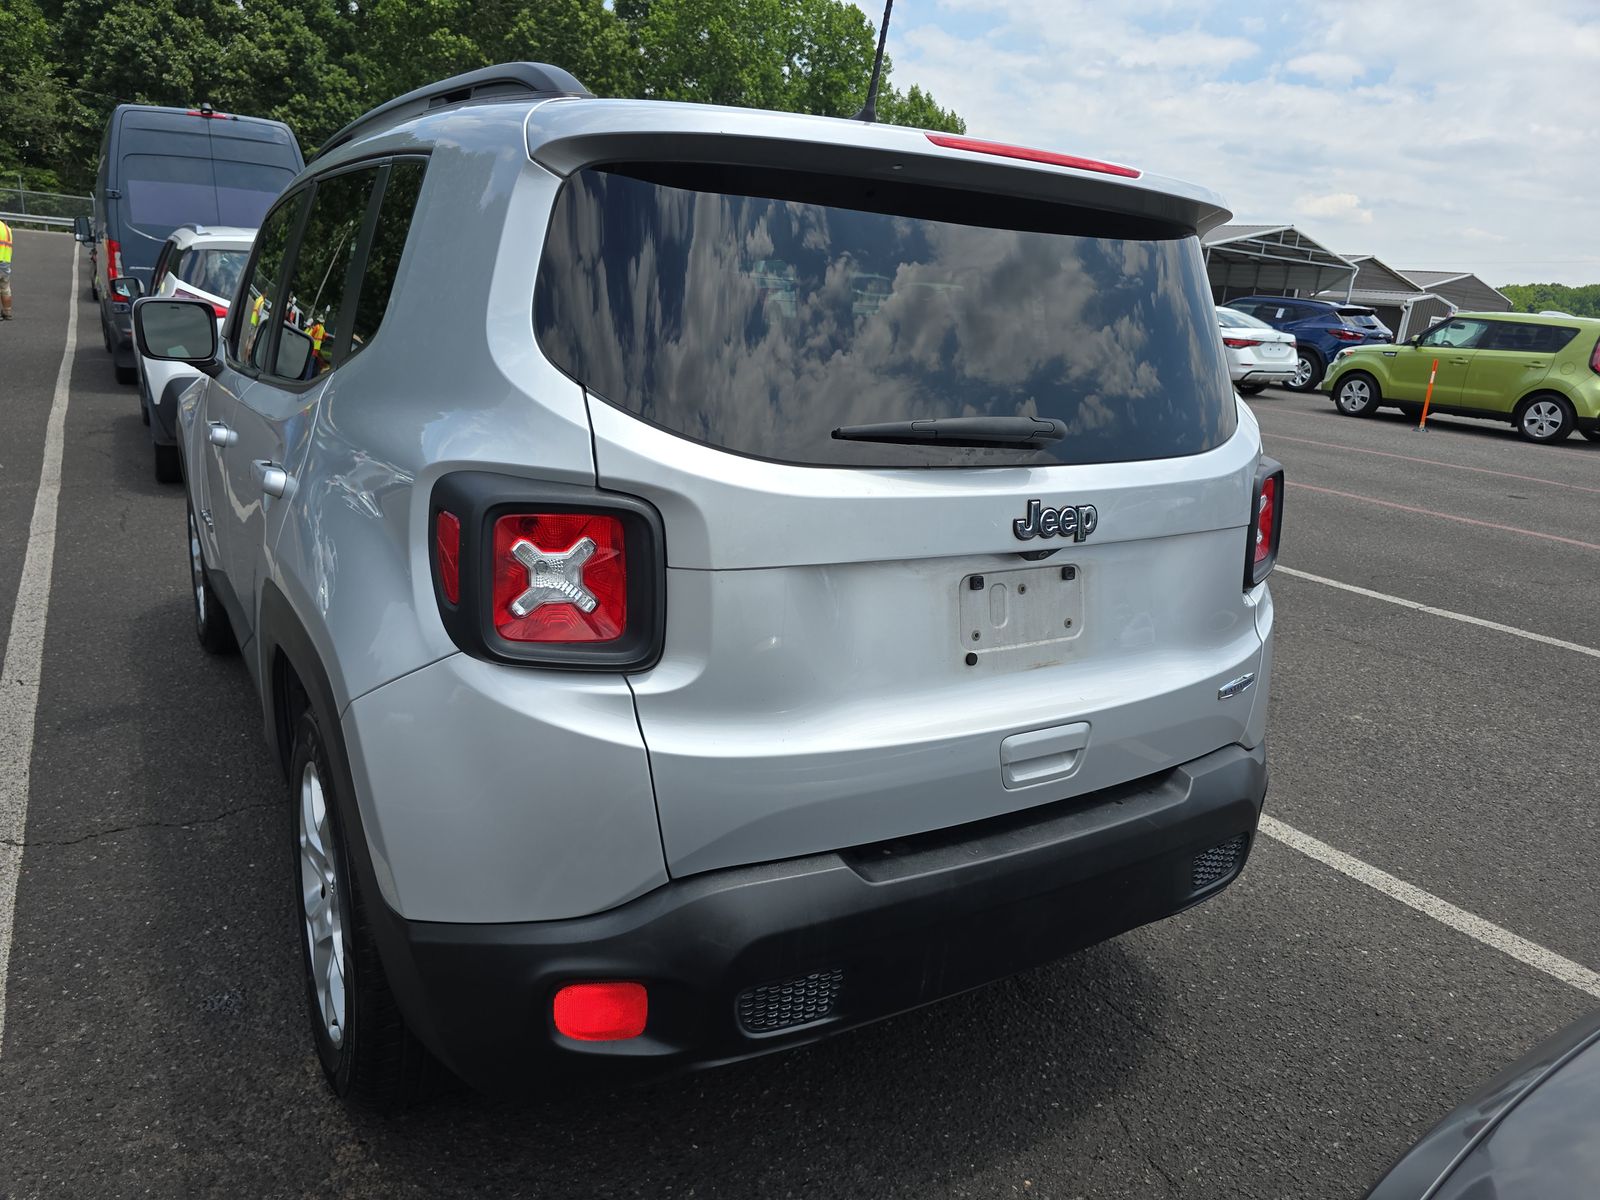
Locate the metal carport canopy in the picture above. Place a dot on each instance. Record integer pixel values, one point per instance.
(1275, 259)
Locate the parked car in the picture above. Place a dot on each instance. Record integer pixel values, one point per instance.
(645, 700)
(1541, 373)
(1257, 353)
(1320, 328)
(195, 263)
(165, 167)
(1534, 1130)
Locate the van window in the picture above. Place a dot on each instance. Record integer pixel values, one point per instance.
(272, 243)
(246, 190)
(759, 311)
(312, 340)
(388, 243)
(164, 191)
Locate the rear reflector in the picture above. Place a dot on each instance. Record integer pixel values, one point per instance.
(952, 142)
(559, 577)
(601, 1012)
(447, 557)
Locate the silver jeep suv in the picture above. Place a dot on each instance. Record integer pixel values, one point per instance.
(716, 578)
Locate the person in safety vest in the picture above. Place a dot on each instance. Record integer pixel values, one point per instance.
(5, 271)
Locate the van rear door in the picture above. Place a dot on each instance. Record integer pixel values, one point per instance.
(875, 634)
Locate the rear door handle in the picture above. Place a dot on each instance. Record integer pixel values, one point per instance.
(274, 480)
(219, 434)
(1044, 754)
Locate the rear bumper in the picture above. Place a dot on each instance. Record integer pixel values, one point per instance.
(881, 929)
(1273, 374)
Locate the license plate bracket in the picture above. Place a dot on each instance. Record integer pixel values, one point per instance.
(1029, 616)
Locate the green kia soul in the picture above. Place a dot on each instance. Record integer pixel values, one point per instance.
(1541, 372)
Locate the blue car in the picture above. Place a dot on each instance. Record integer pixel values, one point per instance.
(1321, 329)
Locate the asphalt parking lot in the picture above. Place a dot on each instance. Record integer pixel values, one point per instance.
(1287, 1039)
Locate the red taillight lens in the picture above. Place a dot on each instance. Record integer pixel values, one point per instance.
(1239, 343)
(113, 259)
(1266, 520)
(559, 577)
(220, 309)
(1348, 335)
(1266, 523)
(952, 142)
(1594, 359)
(601, 1012)
(447, 555)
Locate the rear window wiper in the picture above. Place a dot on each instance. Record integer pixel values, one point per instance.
(1015, 433)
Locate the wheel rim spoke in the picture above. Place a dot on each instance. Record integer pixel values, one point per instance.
(320, 906)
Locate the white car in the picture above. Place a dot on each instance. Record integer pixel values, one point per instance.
(1257, 353)
(197, 262)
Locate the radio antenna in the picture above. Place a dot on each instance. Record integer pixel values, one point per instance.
(869, 110)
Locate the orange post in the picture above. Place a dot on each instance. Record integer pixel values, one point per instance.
(1422, 425)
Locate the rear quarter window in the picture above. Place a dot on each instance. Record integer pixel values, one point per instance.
(758, 311)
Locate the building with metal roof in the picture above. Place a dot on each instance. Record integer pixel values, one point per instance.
(1275, 260)
(1400, 302)
(1462, 288)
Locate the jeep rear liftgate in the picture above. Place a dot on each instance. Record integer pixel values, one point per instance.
(954, 492)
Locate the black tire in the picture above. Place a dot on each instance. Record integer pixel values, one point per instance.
(168, 469)
(211, 624)
(144, 403)
(94, 289)
(1592, 434)
(105, 334)
(1251, 389)
(367, 1054)
(1545, 418)
(1310, 371)
(1357, 395)
(127, 374)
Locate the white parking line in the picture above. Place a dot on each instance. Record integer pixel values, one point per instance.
(19, 676)
(1542, 638)
(1475, 927)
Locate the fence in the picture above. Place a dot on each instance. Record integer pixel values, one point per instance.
(51, 209)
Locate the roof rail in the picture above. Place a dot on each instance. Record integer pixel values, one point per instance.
(506, 79)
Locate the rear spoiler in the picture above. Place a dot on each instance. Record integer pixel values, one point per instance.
(566, 135)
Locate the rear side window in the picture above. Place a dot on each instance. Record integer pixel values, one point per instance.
(312, 340)
(388, 244)
(758, 311)
(272, 243)
(1526, 338)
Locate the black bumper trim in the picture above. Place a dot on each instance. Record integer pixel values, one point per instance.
(906, 922)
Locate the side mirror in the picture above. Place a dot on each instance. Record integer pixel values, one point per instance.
(127, 287)
(82, 229)
(177, 331)
(1414, 340)
(294, 352)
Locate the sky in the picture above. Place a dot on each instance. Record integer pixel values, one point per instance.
(1461, 136)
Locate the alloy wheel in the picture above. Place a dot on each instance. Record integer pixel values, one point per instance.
(1354, 396)
(1302, 373)
(322, 906)
(1543, 419)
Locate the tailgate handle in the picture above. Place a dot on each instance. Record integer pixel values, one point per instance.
(1043, 755)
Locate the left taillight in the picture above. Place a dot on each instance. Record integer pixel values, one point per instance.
(548, 575)
(1266, 523)
(1239, 343)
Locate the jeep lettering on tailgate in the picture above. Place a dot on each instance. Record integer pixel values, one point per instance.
(1076, 521)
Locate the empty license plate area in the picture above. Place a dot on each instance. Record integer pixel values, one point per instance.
(1031, 614)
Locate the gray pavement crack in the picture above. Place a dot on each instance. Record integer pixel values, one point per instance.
(1150, 1159)
(33, 843)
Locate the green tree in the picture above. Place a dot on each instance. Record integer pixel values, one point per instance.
(1581, 301)
(34, 104)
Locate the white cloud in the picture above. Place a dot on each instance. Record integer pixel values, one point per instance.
(1336, 206)
(1440, 127)
(1330, 68)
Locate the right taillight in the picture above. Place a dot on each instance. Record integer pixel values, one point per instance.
(1594, 359)
(1239, 343)
(113, 259)
(1266, 522)
(548, 574)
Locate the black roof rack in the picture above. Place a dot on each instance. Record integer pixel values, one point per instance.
(506, 79)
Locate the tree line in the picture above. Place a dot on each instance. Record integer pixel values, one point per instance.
(318, 64)
(1538, 297)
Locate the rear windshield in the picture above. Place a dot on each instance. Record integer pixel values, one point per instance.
(757, 312)
(1231, 318)
(1363, 317)
(165, 191)
(215, 271)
